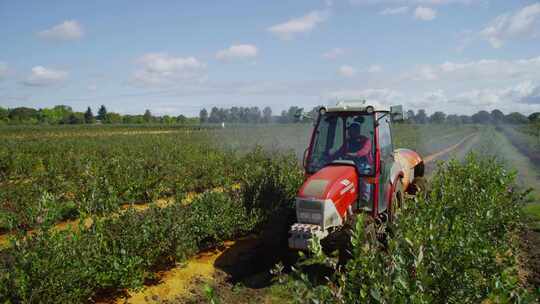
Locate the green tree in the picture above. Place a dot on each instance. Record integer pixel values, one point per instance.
(482, 117)
(112, 118)
(465, 119)
(516, 118)
(24, 115)
(102, 113)
(203, 116)
(421, 117)
(410, 116)
(76, 118)
(57, 115)
(267, 114)
(453, 119)
(534, 117)
(497, 116)
(89, 116)
(147, 117)
(214, 115)
(4, 115)
(438, 117)
(132, 119)
(166, 119)
(254, 115)
(181, 119)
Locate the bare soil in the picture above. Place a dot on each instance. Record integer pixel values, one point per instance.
(531, 248)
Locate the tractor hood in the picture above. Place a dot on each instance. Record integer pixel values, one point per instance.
(334, 184)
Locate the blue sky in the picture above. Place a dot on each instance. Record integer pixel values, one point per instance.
(176, 57)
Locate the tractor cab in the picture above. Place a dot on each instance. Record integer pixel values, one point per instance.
(355, 137)
(342, 137)
(350, 167)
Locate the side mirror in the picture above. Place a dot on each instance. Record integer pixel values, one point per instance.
(397, 114)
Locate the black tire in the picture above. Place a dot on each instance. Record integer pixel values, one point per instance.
(419, 170)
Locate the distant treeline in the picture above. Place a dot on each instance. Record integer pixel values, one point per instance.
(63, 114)
(254, 115)
(481, 117)
(249, 115)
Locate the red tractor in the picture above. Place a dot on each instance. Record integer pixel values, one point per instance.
(351, 167)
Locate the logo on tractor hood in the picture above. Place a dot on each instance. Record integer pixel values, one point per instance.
(348, 186)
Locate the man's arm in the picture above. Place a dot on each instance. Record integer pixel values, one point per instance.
(364, 151)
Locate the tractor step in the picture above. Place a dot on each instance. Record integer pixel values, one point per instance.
(302, 233)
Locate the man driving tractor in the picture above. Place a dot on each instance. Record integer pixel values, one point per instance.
(357, 148)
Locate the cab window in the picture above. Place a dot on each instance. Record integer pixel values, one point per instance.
(385, 137)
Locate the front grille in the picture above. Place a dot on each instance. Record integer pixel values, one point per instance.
(311, 205)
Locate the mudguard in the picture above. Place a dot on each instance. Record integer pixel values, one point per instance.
(405, 160)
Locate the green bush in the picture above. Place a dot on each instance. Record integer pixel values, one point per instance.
(120, 252)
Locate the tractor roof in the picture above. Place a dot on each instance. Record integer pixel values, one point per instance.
(353, 106)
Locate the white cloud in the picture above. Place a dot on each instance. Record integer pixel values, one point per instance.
(425, 13)
(164, 69)
(422, 72)
(488, 69)
(415, 2)
(375, 69)
(481, 97)
(334, 53)
(304, 24)
(346, 71)
(521, 24)
(525, 92)
(66, 31)
(3, 70)
(394, 10)
(240, 51)
(507, 98)
(42, 76)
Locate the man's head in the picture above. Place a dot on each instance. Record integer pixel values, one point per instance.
(354, 130)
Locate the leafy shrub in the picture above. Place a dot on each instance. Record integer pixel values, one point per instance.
(120, 252)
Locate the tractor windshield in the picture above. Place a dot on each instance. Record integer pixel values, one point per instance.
(344, 136)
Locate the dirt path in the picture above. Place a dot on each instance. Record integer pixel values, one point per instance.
(437, 155)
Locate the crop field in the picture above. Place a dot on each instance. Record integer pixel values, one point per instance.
(109, 213)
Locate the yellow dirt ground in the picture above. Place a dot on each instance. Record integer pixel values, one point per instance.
(178, 281)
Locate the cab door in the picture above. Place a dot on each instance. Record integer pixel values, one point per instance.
(386, 156)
